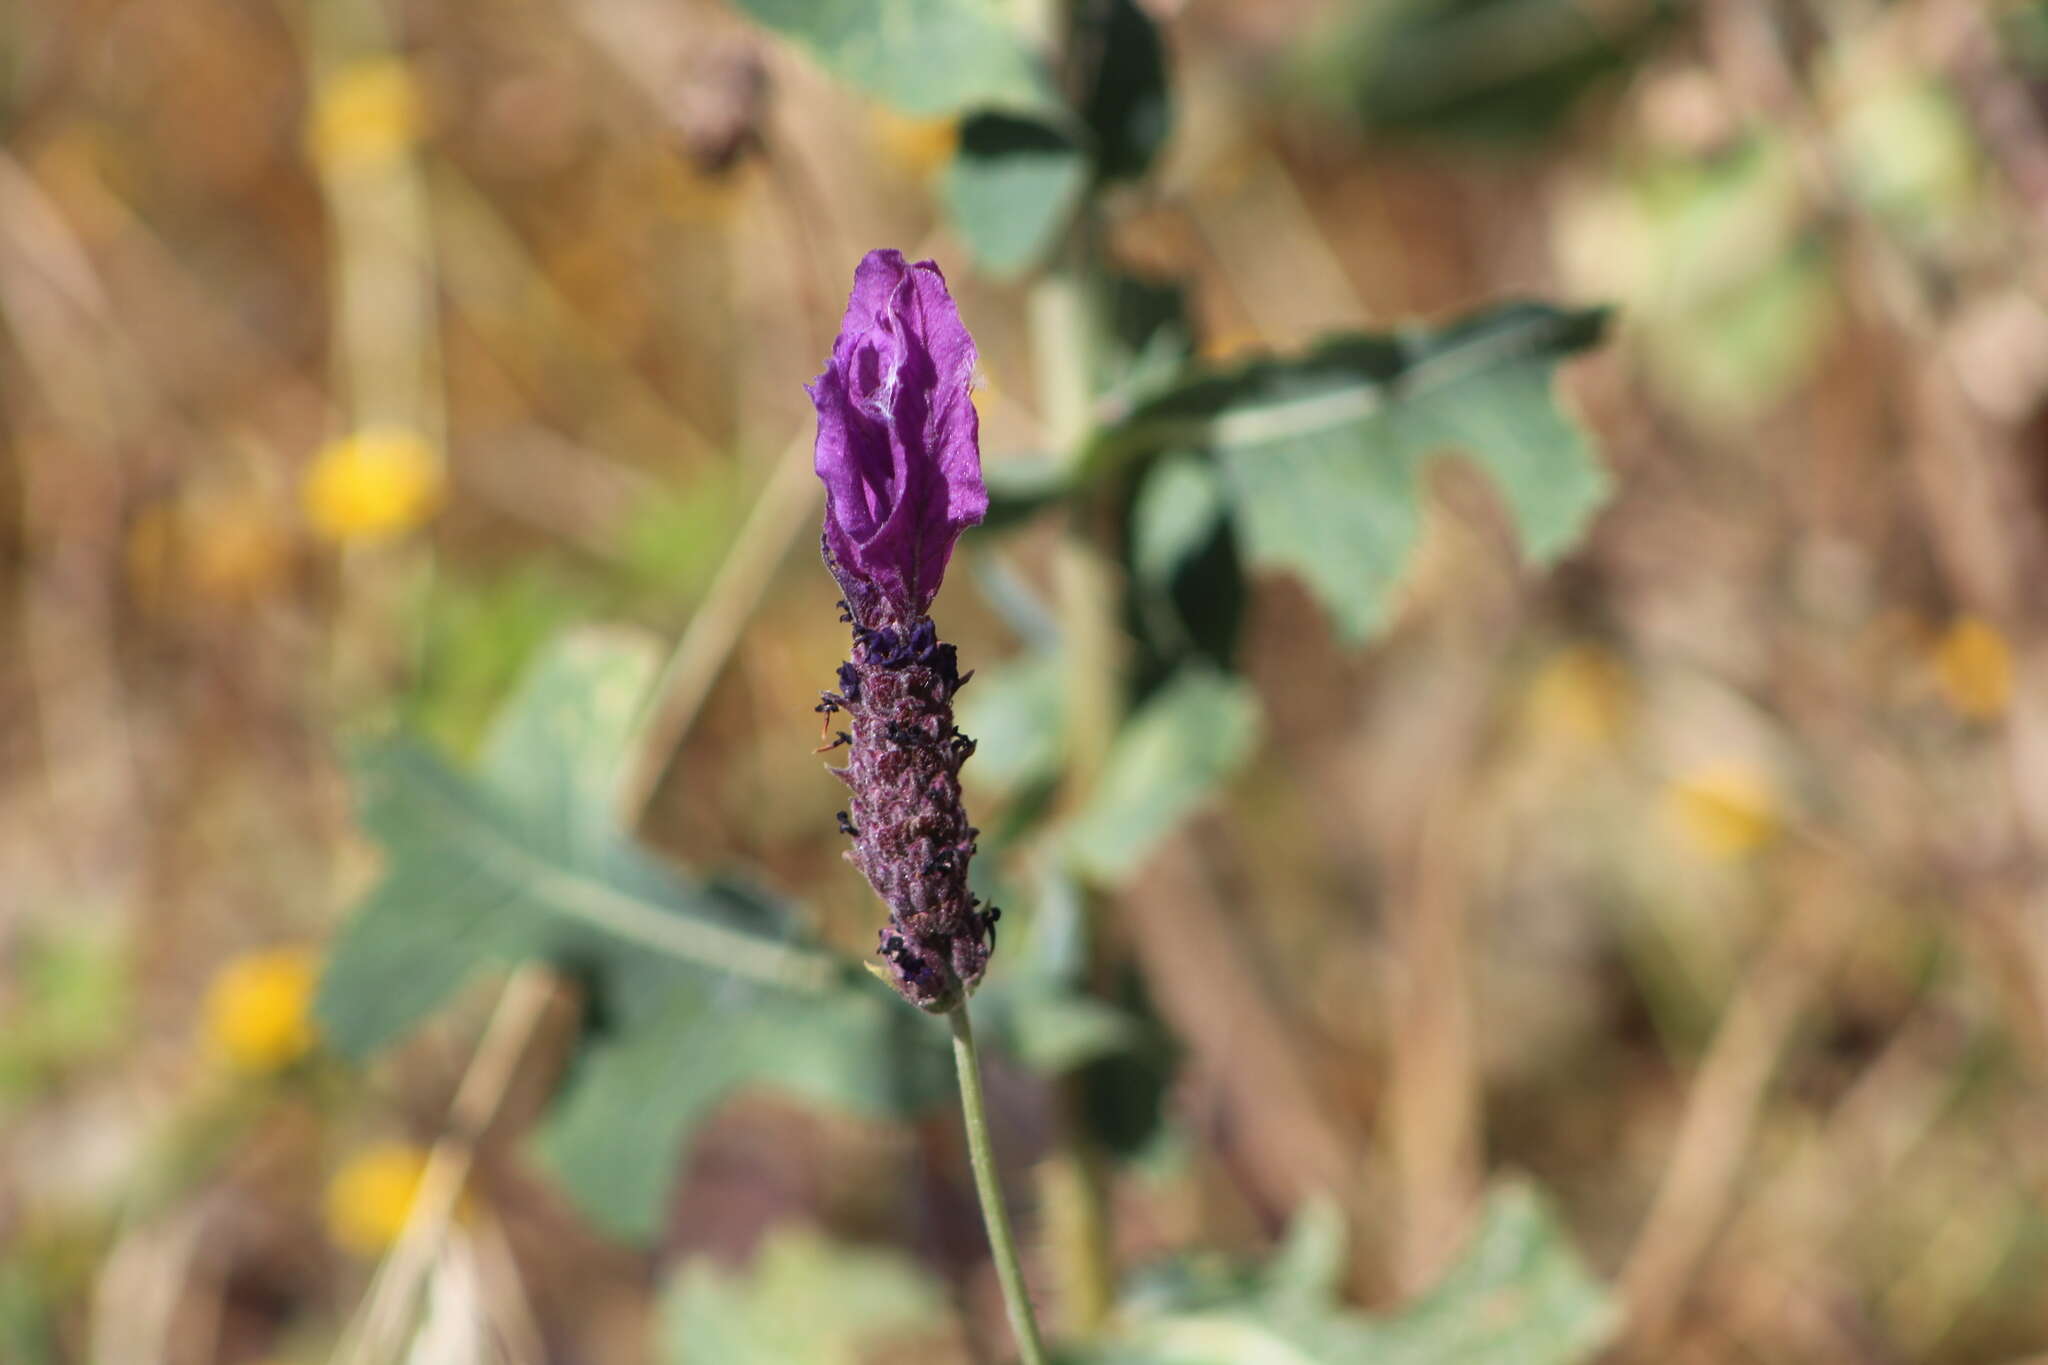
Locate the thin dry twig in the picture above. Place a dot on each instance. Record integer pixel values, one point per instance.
(381, 1323)
(1197, 969)
(1722, 1107)
(762, 544)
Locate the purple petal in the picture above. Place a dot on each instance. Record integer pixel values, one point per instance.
(898, 439)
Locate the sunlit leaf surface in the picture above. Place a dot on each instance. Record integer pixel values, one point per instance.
(692, 988)
(1323, 453)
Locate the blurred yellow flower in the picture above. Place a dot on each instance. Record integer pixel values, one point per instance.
(1973, 667)
(1725, 810)
(230, 547)
(258, 1010)
(1225, 347)
(364, 115)
(919, 146)
(373, 485)
(1581, 696)
(235, 548)
(371, 1195)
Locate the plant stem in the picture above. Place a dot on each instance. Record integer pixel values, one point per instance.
(1002, 1242)
(1076, 1179)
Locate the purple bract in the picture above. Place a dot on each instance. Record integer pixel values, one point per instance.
(898, 440)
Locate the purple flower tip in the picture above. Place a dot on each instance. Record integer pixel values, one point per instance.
(898, 440)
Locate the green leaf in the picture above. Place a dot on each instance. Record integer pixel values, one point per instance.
(1037, 1010)
(475, 637)
(1489, 70)
(1517, 1296)
(1174, 516)
(1012, 188)
(1185, 592)
(693, 988)
(1170, 757)
(1016, 711)
(643, 1084)
(1144, 337)
(804, 1301)
(1323, 455)
(927, 57)
(1019, 488)
(1125, 103)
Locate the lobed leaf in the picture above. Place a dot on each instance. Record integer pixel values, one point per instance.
(1322, 455)
(928, 57)
(1517, 1296)
(804, 1301)
(1012, 188)
(1193, 733)
(692, 988)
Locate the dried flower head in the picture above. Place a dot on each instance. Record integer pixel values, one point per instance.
(899, 454)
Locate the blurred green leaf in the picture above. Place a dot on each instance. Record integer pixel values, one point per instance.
(1012, 188)
(1734, 354)
(664, 1050)
(474, 639)
(1019, 488)
(1016, 711)
(922, 56)
(693, 987)
(26, 1330)
(1494, 70)
(1170, 757)
(1037, 1010)
(804, 1301)
(1052, 1028)
(1517, 1296)
(1125, 104)
(1909, 153)
(1323, 455)
(677, 537)
(1733, 296)
(1145, 337)
(71, 1002)
(1174, 517)
(1185, 591)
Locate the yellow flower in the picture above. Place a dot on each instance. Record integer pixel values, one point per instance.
(1973, 667)
(259, 1010)
(1581, 696)
(917, 145)
(1725, 810)
(372, 486)
(371, 1195)
(364, 115)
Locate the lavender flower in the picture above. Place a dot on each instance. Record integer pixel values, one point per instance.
(899, 453)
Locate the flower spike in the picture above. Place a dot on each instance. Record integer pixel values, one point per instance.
(898, 451)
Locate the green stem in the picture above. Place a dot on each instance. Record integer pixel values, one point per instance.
(1002, 1242)
(1077, 1195)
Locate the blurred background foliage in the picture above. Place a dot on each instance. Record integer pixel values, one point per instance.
(1579, 901)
